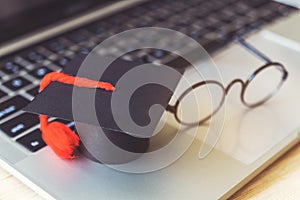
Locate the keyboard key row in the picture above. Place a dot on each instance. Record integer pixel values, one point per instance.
(35, 57)
(12, 105)
(19, 124)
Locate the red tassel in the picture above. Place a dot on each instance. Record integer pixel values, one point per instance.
(62, 140)
(59, 137)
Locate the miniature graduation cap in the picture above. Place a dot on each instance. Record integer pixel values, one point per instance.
(55, 100)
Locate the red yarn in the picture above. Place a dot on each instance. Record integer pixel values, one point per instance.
(59, 137)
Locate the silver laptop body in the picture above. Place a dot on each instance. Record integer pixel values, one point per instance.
(249, 142)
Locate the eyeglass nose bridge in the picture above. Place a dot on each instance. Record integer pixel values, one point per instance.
(233, 82)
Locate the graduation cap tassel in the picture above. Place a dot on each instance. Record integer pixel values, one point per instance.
(59, 137)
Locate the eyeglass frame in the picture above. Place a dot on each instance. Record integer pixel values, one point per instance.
(174, 108)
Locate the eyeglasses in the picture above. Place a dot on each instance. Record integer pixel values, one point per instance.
(260, 86)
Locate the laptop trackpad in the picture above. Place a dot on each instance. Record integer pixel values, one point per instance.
(250, 133)
(286, 32)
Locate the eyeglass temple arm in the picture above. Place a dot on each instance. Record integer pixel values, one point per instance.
(252, 49)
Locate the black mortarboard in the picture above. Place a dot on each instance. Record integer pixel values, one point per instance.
(56, 101)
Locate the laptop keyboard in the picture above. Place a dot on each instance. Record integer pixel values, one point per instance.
(212, 23)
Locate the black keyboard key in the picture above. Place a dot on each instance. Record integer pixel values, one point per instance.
(77, 38)
(99, 30)
(2, 94)
(34, 91)
(257, 3)
(85, 51)
(158, 53)
(35, 57)
(11, 68)
(213, 46)
(62, 62)
(40, 72)
(44, 52)
(32, 141)
(56, 47)
(19, 124)
(195, 35)
(12, 105)
(16, 83)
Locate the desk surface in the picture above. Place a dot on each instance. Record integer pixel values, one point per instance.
(279, 181)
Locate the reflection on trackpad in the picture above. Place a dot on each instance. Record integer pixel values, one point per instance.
(252, 133)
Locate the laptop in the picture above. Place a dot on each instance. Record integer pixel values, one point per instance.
(39, 37)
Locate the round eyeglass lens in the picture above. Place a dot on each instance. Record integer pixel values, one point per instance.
(200, 102)
(263, 84)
